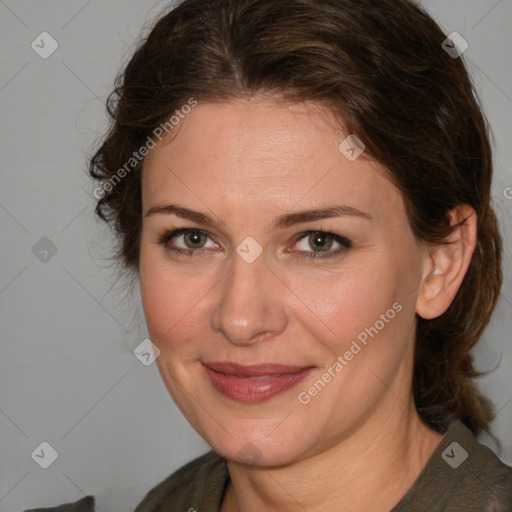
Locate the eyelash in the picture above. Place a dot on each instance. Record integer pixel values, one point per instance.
(168, 235)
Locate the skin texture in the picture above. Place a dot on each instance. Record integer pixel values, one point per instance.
(359, 441)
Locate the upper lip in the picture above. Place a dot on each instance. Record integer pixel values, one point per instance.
(239, 370)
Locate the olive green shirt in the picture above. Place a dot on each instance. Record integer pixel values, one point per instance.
(462, 475)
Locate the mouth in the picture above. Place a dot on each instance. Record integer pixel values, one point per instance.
(255, 383)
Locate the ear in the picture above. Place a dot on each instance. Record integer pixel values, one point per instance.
(446, 265)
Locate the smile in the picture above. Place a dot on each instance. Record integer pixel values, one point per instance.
(254, 383)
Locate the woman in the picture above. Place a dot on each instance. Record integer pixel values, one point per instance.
(302, 188)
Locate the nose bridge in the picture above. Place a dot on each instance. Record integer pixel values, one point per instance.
(248, 306)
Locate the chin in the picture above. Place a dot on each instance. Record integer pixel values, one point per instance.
(249, 445)
(254, 454)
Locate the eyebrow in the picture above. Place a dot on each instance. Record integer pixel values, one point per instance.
(281, 221)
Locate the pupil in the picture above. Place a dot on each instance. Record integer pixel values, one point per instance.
(195, 238)
(320, 240)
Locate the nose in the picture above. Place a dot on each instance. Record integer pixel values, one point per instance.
(250, 306)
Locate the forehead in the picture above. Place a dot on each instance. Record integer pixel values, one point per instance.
(249, 153)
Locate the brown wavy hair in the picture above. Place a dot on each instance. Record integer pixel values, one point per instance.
(381, 66)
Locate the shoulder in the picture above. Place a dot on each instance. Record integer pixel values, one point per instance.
(486, 479)
(86, 504)
(199, 484)
(462, 474)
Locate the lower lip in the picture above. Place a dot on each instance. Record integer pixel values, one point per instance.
(252, 390)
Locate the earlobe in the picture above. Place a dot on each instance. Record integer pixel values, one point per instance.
(446, 264)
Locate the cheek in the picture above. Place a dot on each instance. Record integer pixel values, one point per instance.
(160, 294)
(167, 300)
(174, 299)
(342, 305)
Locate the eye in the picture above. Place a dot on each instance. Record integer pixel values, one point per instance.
(193, 240)
(322, 241)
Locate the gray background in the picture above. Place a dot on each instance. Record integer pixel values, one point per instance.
(68, 375)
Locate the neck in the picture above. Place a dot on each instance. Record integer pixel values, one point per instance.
(370, 469)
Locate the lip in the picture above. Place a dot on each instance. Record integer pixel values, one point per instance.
(255, 383)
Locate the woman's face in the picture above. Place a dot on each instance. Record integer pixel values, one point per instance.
(246, 293)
